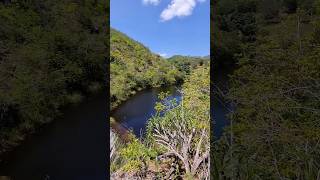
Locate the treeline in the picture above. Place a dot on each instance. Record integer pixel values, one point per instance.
(185, 64)
(274, 132)
(176, 144)
(51, 53)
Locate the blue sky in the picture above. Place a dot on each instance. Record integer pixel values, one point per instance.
(167, 27)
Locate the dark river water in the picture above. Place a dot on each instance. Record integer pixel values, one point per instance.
(73, 147)
(134, 113)
(219, 107)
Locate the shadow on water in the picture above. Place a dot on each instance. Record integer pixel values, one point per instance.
(134, 113)
(72, 147)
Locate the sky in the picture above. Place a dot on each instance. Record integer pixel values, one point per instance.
(166, 27)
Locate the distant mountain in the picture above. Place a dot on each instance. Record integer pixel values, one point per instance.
(190, 57)
(193, 60)
(206, 57)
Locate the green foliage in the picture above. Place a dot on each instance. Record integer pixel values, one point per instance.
(317, 7)
(275, 89)
(196, 102)
(51, 53)
(136, 155)
(234, 22)
(196, 93)
(186, 64)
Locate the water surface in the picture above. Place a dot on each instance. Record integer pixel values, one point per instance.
(73, 147)
(136, 111)
(220, 108)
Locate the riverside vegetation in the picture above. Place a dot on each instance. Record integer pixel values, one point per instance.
(176, 144)
(52, 53)
(275, 89)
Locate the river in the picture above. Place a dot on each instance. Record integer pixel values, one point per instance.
(134, 113)
(72, 147)
(220, 107)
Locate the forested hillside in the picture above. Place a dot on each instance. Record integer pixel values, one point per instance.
(134, 67)
(51, 53)
(275, 88)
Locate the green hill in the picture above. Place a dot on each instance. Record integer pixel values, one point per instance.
(134, 67)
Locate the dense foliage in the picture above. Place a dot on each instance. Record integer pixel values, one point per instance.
(177, 140)
(186, 63)
(134, 67)
(51, 53)
(275, 89)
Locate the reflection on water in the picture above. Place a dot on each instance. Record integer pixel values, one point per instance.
(137, 110)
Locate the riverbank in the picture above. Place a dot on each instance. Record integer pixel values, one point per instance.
(71, 146)
(135, 91)
(114, 105)
(19, 134)
(134, 113)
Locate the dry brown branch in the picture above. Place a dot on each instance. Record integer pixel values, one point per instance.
(184, 145)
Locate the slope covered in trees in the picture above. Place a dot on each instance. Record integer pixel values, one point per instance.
(51, 53)
(275, 89)
(134, 67)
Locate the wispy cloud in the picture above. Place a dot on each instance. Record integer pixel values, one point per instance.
(163, 55)
(152, 2)
(179, 8)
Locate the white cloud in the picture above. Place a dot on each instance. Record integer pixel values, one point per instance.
(152, 2)
(163, 54)
(179, 8)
